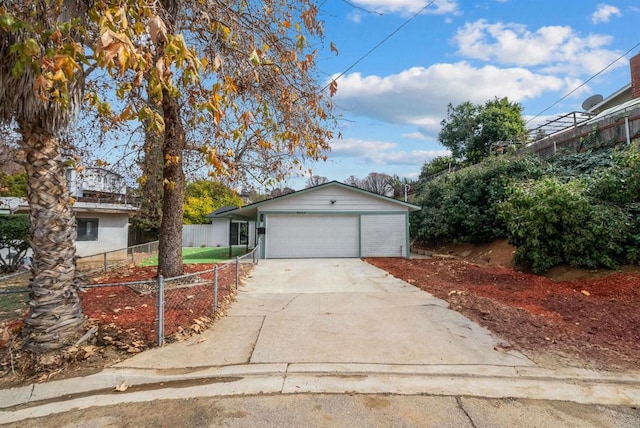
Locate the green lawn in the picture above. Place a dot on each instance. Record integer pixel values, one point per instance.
(12, 304)
(201, 255)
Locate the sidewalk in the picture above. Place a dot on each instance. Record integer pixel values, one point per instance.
(574, 385)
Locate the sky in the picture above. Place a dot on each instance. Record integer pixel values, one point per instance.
(391, 102)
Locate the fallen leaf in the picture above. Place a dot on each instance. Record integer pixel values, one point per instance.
(89, 350)
(200, 340)
(586, 293)
(122, 387)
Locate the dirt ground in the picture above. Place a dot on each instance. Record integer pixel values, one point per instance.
(569, 317)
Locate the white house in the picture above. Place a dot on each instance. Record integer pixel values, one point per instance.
(97, 183)
(102, 214)
(100, 227)
(329, 220)
(230, 230)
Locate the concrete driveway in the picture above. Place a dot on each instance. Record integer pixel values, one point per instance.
(333, 311)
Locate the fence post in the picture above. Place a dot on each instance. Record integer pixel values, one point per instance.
(215, 289)
(104, 262)
(160, 310)
(237, 270)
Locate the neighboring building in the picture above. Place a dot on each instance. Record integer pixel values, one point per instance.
(96, 183)
(102, 215)
(615, 118)
(329, 220)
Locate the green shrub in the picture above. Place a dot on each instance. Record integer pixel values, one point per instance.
(582, 209)
(14, 236)
(462, 206)
(580, 164)
(553, 222)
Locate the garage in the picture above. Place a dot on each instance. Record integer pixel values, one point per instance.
(332, 220)
(311, 236)
(383, 235)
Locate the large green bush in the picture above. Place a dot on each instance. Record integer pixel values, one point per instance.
(462, 206)
(553, 222)
(14, 237)
(582, 210)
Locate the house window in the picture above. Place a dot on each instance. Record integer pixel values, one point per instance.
(239, 233)
(244, 234)
(87, 229)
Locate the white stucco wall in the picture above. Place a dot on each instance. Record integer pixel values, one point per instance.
(215, 234)
(112, 234)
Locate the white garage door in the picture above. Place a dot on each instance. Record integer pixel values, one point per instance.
(309, 236)
(384, 235)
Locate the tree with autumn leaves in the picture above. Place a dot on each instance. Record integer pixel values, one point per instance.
(202, 197)
(246, 74)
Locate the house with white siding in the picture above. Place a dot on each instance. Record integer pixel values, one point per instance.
(101, 210)
(329, 220)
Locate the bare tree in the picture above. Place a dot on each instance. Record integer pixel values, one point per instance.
(316, 180)
(353, 181)
(281, 192)
(378, 183)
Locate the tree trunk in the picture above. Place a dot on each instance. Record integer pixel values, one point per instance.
(148, 218)
(170, 245)
(55, 316)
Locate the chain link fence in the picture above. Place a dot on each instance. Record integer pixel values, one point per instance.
(105, 261)
(151, 311)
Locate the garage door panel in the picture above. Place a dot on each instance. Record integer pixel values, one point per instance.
(383, 235)
(310, 236)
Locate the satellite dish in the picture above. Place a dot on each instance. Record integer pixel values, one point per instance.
(591, 102)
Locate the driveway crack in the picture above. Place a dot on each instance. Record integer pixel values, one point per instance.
(289, 302)
(461, 407)
(253, 348)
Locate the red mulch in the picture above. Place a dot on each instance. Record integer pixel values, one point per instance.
(135, 312)
(592, 322)
(125, 320)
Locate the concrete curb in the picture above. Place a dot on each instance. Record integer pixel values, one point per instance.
(575, 385)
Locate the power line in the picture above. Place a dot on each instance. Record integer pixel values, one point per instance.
(370, 51)
(584, 83)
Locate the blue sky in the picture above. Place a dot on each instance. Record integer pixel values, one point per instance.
(532, 51)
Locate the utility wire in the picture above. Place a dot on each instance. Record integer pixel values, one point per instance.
(584, 83)
(370, 51)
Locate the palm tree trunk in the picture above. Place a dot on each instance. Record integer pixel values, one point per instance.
(170, 245)
(55, 316)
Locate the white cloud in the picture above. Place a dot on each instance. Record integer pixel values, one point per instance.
(604, 12)
(415, 136)
(419, 96)
(352, 147)
(355, 17)
(378, 153)
(409, 7)
(553, 49)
